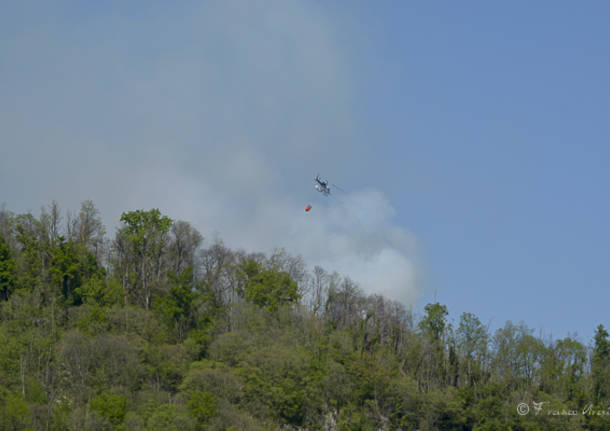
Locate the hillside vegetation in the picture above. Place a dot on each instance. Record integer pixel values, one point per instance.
(157, 329)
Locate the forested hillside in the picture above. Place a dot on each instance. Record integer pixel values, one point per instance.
(157, 328)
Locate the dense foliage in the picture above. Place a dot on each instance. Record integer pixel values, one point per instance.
(152, 330)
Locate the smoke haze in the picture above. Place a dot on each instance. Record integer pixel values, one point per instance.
(219, 115)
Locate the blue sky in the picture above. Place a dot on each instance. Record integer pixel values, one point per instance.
(490, 125)
(471, 139)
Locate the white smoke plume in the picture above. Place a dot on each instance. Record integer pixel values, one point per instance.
(219, 115)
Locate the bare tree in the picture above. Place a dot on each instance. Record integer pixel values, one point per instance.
(185, 240)
(87, 229)
(50, 217)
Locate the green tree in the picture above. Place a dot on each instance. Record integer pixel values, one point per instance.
(600, 365)
(70, 268)
(170, 417)
(268, 288)
(110, 406)
(33, 255)
(563, 369)
(433, 327)
(518, 355)
(434, 322)
(14, 412)
(8, 270)
(179, 304)
(472, 339)
(140, 246)
(203, 406)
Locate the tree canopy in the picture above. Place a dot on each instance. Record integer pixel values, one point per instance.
(155, 328)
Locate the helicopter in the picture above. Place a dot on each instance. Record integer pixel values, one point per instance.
(321, 185)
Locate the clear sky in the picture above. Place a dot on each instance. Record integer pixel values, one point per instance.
(471, 138)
